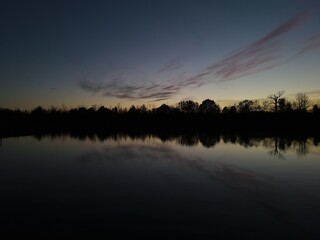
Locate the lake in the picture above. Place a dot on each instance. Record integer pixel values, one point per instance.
(188, 187)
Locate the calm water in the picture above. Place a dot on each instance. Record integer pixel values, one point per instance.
(196, 187)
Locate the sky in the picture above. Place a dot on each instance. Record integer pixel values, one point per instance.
(82, 53)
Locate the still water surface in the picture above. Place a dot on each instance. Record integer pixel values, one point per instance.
(182, 187)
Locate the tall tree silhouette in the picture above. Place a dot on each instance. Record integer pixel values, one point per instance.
(302, 100)
(275, 99)
(282, 105)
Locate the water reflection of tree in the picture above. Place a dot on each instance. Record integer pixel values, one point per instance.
(188, 140)
(229, 138)
(277, 147)
(209, 141)
(247, 141)
(302, 147)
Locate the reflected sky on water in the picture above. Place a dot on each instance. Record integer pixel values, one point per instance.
(196, 186)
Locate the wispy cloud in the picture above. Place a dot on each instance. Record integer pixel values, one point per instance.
(263, 54)
(53, 89)
(175, 64)
(312, 43)
(118, 89)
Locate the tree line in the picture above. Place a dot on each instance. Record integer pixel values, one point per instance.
(277, 114)
(275, 103)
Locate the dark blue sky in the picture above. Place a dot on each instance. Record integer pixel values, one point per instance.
(134, 52)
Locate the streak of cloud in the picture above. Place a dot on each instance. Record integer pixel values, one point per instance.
(263, 54)
(54, 89)
(175, 64)
(120, 90)
(312, 43)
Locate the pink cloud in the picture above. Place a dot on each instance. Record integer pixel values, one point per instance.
(261, 55)
(285, 27)
(312, 43)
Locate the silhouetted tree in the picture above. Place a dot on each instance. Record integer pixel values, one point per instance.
(103, 110)
(282, 105)
(163, 109)
(246, 106)
(266, 106)
(91, 111)
(209, 106)
(229, 110)
(256, 106)
(54, 110)
(288, 106)
(275, 99)
(38, 111)
(143, 109)
(233, 110)
(315, 109)
(132, 109)
(188, 106)
(82, 110)
(115, 109)
(302, 100)
(225, 110)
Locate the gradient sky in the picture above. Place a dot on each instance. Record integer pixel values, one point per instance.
(133, 52)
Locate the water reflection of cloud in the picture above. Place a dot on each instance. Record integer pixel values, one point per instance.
(288, 205)
(284, 202)
(128, 152)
